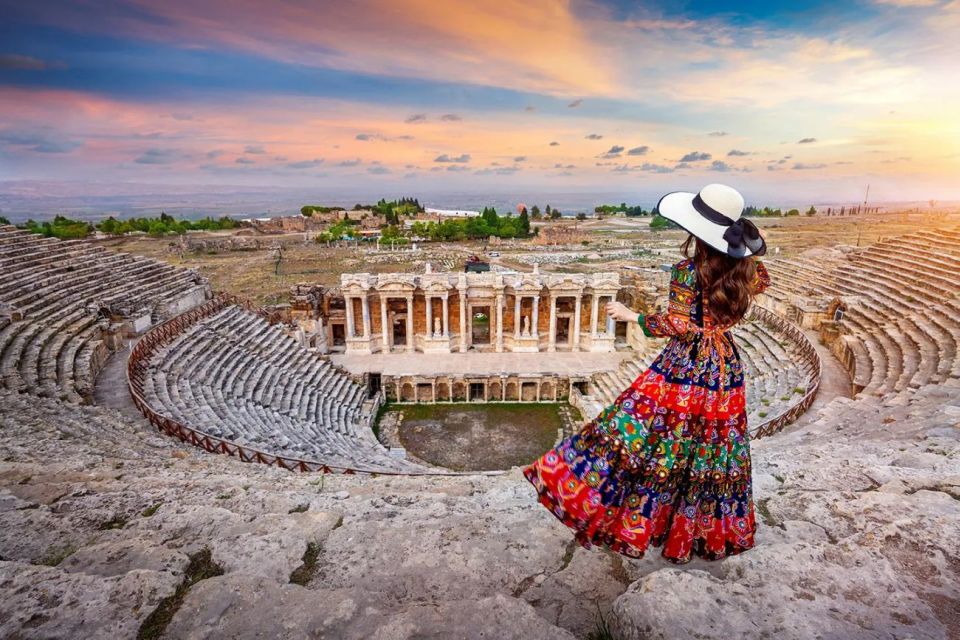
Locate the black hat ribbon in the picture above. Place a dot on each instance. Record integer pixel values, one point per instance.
(739, 234)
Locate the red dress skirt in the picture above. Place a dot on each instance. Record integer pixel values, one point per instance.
(668, 463)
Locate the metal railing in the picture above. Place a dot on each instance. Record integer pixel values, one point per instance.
(810, 356)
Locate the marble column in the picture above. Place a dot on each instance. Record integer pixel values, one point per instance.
(349, 315)
(516, 316)
(410, 339)
(366, 315)
(383, 324)
(611, 329)
(499, 303)
(594, 300)
(552, 337)
(576, 324)
(463, 322)
(428, 312)
(446, 317)
(535, 321)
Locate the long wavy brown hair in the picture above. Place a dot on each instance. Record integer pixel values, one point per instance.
(727, 282)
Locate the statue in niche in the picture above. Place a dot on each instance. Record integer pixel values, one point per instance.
(526, 325)
(437, 332)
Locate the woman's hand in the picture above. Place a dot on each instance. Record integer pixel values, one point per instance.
(621, 312)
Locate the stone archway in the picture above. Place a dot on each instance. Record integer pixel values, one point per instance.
(443, 391)
(546, 390)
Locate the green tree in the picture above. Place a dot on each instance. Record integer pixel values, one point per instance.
(508, 228)
(421, 229)
(60, 227)
(524, 224)
(658, 222)
(535, 212)
(812, 211)
(391, 233)
(157, 228)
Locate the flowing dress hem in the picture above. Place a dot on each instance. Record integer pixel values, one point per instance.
(556, 507)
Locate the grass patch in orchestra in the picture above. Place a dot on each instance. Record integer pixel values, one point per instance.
(479, 436)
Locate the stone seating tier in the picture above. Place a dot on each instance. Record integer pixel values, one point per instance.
(234, 376)
(68, 296)
(901, 294)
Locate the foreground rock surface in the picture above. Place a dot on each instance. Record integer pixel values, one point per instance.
(102, 520)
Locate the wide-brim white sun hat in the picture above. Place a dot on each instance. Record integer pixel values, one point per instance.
(715, 215)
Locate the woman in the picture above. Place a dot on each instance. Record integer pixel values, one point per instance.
(668, 463)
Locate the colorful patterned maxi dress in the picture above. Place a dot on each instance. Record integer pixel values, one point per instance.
(668, 463)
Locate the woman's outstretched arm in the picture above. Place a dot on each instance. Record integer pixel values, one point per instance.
(675, 321)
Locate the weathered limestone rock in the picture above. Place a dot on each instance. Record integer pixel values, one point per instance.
(238, 606)
(853, 543)
(45, 602)
(116, 558)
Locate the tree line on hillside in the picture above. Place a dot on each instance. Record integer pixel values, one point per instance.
(65, 228)
(659, 222)
(487, 224)
(630, 211)
(769, 212)
(549, 213)
(391, 210)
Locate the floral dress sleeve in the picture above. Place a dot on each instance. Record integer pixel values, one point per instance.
(676, 320)
(761, 280)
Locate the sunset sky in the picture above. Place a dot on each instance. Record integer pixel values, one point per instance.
(419, 96)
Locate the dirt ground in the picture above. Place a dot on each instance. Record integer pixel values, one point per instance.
(482, 437)
(253, 273)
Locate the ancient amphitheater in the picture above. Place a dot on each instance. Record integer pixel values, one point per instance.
(182, 464)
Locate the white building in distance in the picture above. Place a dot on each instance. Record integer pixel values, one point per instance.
(452, 213)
